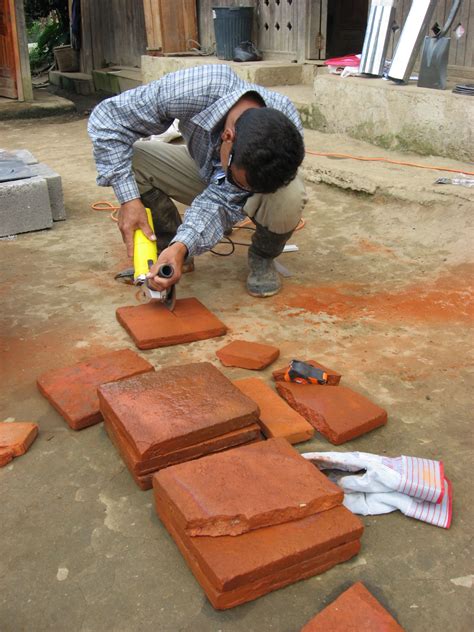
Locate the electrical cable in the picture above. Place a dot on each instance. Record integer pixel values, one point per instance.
(387, 160)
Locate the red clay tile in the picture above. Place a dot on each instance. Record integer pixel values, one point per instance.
(6, 455)
(15, 439)
(333, 376)
(276, 417)
(142, 472)
(340, 414)
(247, 355)
(175, 407)
(356, 610)
(246, 488)
(73, 390)
(152, 325)
(234, 570)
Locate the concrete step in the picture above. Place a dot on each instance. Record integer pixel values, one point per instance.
(384, 179)
(77, 82)
(265, 73)
(391, 116)
(44, 104)
(116, 79)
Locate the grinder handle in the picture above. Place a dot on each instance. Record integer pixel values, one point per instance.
(165, 271)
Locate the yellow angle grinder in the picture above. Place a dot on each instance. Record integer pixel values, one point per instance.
(145, 254)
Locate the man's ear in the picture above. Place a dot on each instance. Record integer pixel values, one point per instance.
(228, 135)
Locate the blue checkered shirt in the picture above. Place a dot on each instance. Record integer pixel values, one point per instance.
(200, 98)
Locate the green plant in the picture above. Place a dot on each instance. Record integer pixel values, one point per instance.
(50, 36)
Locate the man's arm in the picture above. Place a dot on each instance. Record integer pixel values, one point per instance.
(115, 124)
(210, 214)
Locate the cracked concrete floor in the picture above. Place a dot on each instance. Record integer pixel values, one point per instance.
(382, 292)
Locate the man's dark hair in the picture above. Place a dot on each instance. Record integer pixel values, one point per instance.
(269, 147)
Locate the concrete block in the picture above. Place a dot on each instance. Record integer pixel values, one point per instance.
(24, 206)
(20, 154)
(55, 189)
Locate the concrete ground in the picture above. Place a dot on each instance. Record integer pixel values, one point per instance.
(381, 291)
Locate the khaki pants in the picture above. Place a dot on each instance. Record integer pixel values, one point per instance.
(170, 169)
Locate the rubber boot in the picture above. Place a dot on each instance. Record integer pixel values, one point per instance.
(166, 219)
(263, 279)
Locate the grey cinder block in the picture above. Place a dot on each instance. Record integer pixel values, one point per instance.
(24, 206)
(20, 154)
(55, 189)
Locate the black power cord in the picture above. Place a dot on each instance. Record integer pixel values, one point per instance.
(228, 241)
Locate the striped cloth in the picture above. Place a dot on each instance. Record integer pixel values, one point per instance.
(376, 484)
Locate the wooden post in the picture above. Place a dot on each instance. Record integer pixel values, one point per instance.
(25, 87)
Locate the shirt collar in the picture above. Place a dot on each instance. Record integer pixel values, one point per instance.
(210, 118)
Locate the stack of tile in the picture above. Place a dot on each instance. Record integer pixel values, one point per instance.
(254, 519)
(179, 413)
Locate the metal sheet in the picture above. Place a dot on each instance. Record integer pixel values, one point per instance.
(377, 37)
(411, 37)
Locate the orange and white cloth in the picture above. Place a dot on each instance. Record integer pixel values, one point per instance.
(376, 484)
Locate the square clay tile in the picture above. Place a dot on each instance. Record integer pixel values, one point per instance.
(236, 569)
(333, 376)
(175, 407)
(340, 414)
(245, 488)
(277, 418)
(153, 325)
(73, 390)
(6, 455)
(247, 355)
(16, 437)
(356, 609)
(142, 473)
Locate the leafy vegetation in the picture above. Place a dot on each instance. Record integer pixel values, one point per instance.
(48, 26)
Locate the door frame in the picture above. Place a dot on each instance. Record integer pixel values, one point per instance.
(316, 21)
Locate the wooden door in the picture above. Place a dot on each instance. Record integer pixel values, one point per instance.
(279, 23)
(346, 25)
(9, 58)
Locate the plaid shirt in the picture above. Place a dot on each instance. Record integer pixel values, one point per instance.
(200, 98)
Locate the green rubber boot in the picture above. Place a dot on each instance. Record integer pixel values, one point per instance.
(263, 279)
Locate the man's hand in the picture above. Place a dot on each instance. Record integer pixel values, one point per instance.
(174, 256)
(132, 216)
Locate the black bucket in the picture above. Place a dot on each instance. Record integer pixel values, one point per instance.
(232, 25)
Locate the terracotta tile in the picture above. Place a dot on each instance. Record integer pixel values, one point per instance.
(356, 610)
(340, 414)
(236, 569)
(6, 455)
(276, 417)
(73, 390)
(246, 488)
(333, 376)
(142, 472)
(247, 355)
(15, 439)
(152, 325)
(175, 407)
